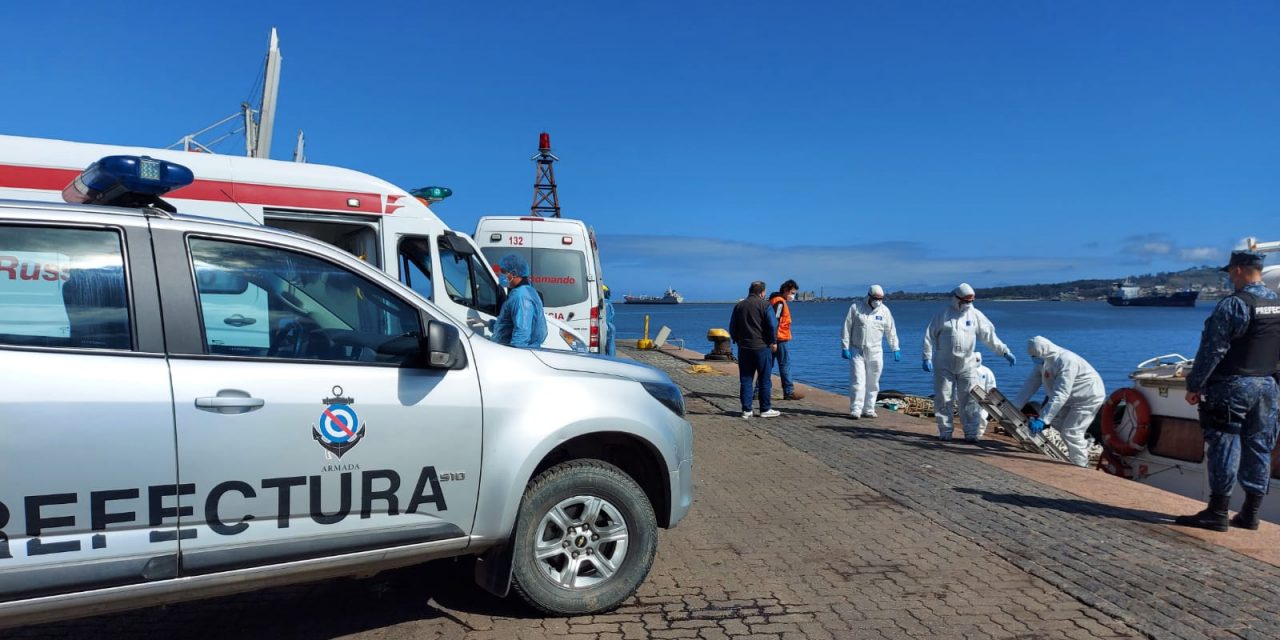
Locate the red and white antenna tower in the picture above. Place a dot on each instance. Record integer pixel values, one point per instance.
(545, 200)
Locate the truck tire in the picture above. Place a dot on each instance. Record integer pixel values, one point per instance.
(584, 540)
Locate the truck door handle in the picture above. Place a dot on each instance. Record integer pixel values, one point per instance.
(230, 402)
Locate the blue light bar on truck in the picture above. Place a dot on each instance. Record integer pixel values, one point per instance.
(127, 181)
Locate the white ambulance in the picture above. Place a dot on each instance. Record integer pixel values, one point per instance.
(356, 212)
(564, 265)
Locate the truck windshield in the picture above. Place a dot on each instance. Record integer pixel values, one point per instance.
(466, 281)
(560, 275)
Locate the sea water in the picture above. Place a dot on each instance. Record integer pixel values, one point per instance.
(1113, 339)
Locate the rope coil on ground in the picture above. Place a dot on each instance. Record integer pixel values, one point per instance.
(917, 406)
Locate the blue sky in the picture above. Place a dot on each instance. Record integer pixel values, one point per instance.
(915, 144)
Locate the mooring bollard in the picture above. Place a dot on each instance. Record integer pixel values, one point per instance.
(645, 342)
(721, 350)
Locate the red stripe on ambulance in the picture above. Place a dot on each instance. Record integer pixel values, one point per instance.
(53, 179)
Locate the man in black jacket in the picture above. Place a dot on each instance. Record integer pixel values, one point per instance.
(753, 328)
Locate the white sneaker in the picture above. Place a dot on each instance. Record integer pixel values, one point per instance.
(772, 413)
(869, 413)
(746, 415)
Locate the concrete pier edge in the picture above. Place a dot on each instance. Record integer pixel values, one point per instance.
(1089, 484)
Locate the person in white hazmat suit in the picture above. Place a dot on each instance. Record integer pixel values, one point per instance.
(1075, 393)
(954, 332)
(867, 324)
(986, 380)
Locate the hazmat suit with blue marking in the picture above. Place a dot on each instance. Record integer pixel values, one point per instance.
(954, 333)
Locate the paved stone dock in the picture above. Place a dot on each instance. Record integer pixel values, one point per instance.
(812, 525)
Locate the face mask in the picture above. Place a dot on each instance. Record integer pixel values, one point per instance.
(791, 296)
(504, 281)
(964, 306)
(875, 304)
(1037, 359)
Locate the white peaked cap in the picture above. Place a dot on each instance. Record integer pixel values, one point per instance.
(876, 290)
(962, 291)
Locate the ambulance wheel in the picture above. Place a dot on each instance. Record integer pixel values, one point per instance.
(585, 539)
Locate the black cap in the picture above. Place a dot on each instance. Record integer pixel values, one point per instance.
(1244, 259)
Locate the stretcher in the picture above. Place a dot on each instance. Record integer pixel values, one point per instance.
(1048, 442)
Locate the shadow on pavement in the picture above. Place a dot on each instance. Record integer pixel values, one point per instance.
(422, 593)
(1068, 505)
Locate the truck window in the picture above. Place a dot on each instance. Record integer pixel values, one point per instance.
(236, 322)
(359, 239)
(560, 275)
(315, 310)
(466, 281)
(63, 288)
(415, 265)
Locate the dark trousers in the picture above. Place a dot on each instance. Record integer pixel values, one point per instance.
(755, 367)
(1238, 415)
(783, 357)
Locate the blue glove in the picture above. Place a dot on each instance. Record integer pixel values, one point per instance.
(1012, 360)
(897, 355)
(927, 365)
(1037, 425)
(845, 354)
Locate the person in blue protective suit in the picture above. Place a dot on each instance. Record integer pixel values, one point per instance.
(1233, 382)
(521, 321)
(954, 332)
(1075, 393)
(610, 346)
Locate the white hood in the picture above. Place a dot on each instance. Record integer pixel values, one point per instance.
(603, 365)
(1041, 347)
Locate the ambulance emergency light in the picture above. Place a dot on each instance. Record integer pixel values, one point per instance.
(128, 181)
(431, 194)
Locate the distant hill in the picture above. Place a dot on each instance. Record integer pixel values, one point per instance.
(1207, 280)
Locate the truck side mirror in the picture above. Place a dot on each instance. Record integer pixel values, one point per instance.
(459, 244)
(442, 348)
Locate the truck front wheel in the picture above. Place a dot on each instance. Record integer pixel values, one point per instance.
(584, 540)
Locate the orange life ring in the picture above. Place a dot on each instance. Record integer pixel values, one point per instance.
(1132, 401)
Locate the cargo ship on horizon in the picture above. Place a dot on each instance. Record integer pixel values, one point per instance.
(670, 296)
(1124, 294)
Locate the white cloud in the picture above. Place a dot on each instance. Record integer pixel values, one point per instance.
(1149, 245)
(1201, 254)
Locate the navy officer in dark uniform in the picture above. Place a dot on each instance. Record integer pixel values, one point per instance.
(1234, 383)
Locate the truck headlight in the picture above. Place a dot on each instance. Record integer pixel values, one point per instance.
(668, 394)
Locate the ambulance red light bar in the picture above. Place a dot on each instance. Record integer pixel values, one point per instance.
(128, 181)
(566, 239)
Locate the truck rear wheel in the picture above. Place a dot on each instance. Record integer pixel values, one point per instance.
(584, 540)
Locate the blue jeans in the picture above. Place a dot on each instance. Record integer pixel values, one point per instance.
(783, 358)
(1238, 415)
(755, 368)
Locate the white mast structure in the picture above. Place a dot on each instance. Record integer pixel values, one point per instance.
(258, 124)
